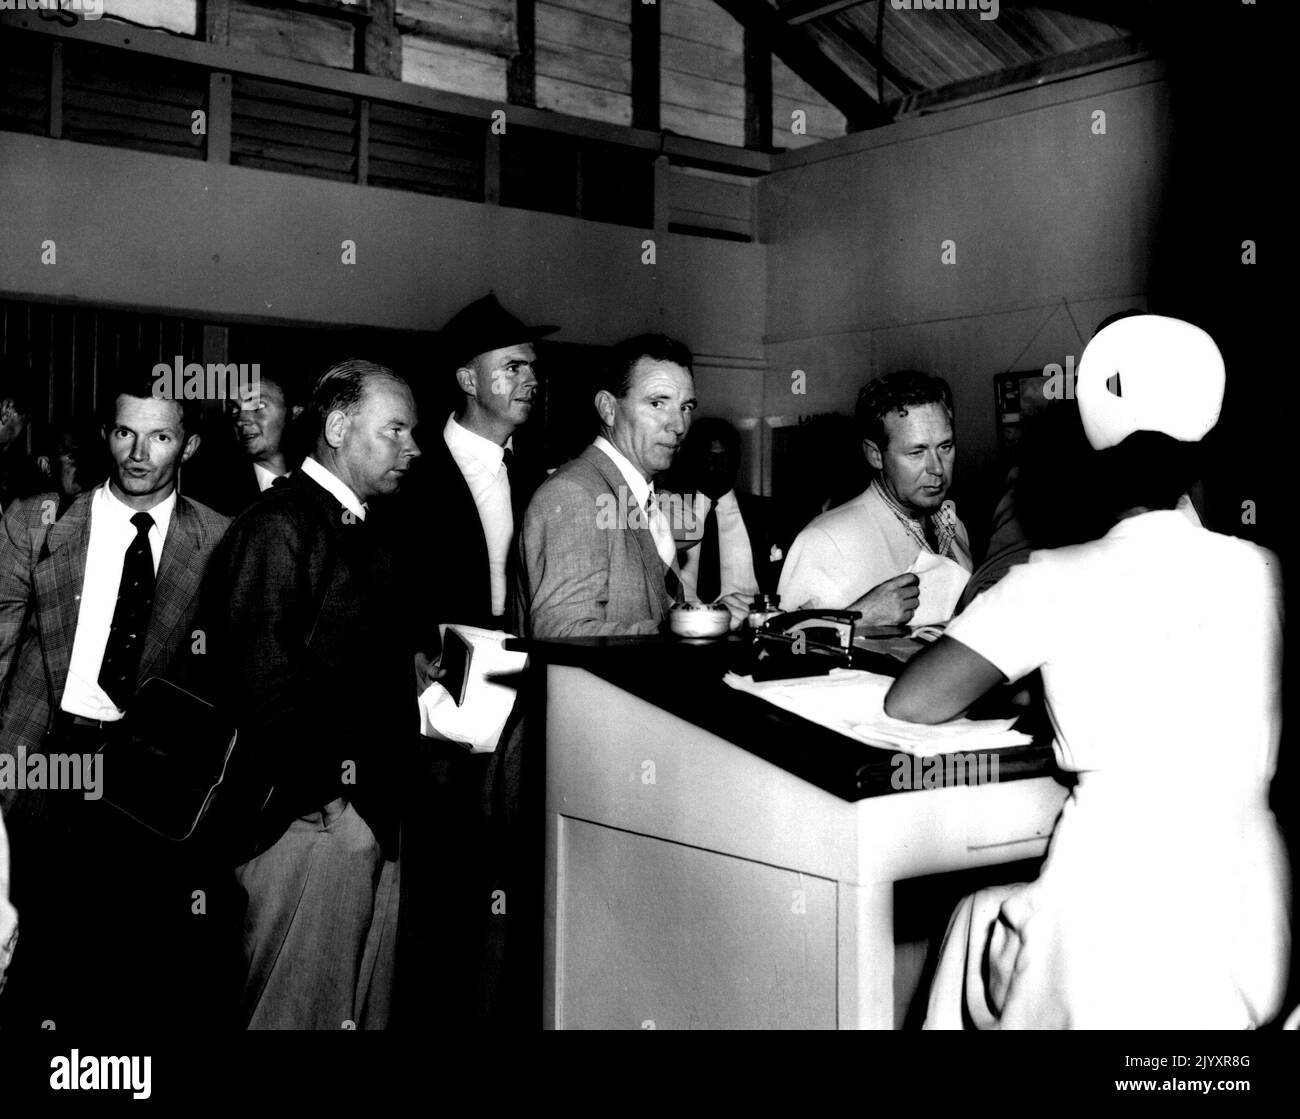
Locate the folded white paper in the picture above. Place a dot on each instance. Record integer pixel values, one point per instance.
(852, 702)
(942, 581)
(477, 723)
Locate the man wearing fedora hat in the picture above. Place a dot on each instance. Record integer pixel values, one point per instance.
(468, 496)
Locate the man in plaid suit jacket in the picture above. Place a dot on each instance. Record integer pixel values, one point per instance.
(68, 848)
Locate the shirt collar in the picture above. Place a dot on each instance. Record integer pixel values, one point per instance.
(460, 439)
(725, 504)
(641, 489)
(266, 478)
(1154, 522)
(109, 504)
(328, 480)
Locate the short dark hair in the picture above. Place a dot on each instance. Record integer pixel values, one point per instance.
(342, 387)
(615, 375)
(896, 393)
(289, 384)
(144, 388)
(1149, 470)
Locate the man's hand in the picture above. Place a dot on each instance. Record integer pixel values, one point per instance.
(892, 603)
(426, 672)
(738, 605)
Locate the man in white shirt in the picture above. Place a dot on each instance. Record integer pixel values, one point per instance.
(91, 603)
(471, 482)
(598, 556)
(865, 554)
(471, 489)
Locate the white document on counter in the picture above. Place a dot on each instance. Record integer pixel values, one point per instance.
(852, 702)
(476, 723)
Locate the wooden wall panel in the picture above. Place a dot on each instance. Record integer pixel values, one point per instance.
(702, 87)
(454, 69)
(487, 25)
(790, 92)
(71, 357)
(584, 59)
(180, 16)
(304, 36)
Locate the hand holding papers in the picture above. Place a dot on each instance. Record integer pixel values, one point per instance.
(852, 702)
(475, 717)
(942, 581)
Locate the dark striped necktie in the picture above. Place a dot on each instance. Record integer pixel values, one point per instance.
(130, 616)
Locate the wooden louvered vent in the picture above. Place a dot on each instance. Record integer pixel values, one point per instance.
(132, 101)
(24, 85)
(280, 127)
(426, 151)
(583, 178)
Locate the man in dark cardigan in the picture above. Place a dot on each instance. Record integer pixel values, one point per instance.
(312, 655)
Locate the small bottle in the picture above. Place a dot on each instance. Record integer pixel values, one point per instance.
(763, 608)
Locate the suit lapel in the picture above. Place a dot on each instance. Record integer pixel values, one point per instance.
(176, 587)
(645, 541)
(59, 574)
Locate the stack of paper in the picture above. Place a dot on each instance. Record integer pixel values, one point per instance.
(852, 702)
(477, 723)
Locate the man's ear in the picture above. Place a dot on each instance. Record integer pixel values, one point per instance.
(873, 454)
(191, 445)
(605, 407)
(467, 379)
(336, 423)
(7, 410)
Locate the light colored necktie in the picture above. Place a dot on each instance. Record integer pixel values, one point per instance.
(659, 529)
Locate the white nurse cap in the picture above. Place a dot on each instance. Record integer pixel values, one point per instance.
(1169, 374)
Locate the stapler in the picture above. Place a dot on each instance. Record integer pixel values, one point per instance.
(802, 643)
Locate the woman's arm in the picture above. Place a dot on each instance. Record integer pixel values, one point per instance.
(940, 683)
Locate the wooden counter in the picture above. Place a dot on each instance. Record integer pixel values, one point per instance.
(714, 862)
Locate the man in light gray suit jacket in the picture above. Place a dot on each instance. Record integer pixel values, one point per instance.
(597, 551)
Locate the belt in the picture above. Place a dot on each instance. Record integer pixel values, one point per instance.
(64, 723)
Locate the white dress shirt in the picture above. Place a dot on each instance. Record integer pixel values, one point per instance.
(644, 492)
(482, 463)
(265, 478)
(336, 486)
(735, 556)
(111, 534)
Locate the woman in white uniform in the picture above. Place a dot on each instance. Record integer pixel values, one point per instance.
(1164, 900)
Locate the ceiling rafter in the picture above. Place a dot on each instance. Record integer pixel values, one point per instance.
(802, 55)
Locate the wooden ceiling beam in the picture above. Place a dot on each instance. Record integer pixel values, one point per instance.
(852, 38)
(798, 52)
(645, 65)
(1096, 57)
(807, 10)
(1133, 15)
